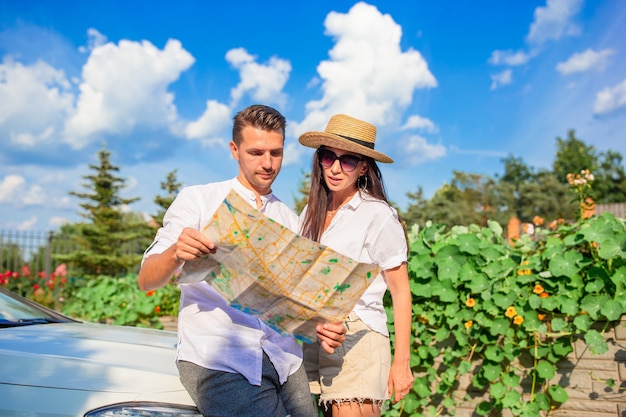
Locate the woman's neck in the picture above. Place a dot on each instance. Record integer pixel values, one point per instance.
(339, 199)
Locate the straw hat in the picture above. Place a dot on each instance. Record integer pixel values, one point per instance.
(347, 133)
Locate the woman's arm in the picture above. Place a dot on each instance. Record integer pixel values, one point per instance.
(400, 377)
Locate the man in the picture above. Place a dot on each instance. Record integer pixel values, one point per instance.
(232, 364)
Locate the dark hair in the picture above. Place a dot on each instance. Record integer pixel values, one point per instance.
(259, 116)
(319, 195)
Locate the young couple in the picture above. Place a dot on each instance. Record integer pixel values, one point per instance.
(234, 365)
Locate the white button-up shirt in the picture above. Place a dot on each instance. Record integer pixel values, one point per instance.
(212, 334)
(368, 230)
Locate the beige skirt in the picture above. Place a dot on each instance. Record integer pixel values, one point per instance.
(358, 371)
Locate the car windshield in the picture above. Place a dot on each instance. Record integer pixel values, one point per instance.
(18, 311)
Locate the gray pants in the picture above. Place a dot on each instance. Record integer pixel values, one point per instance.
(226, 394)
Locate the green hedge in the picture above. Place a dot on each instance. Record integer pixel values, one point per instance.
(481, 304)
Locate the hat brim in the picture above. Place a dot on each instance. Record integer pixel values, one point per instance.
(317, 139)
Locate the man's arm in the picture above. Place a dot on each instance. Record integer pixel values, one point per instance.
(157, 269)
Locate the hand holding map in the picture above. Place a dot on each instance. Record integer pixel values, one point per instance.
(264, 269)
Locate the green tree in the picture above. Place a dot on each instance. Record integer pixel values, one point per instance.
(171, 186)
(516, 173)
(303, 189)
(572, 156)
(105, 238)
(468, 199)
(546, 197)
(610, 180)
(417, 211)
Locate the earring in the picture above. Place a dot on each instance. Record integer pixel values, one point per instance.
(363, 184)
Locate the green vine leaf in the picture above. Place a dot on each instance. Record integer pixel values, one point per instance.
(444, 290)
(491, 371)
(545, 370)
(494, 353)
(562, 347)
(498, 390)
(468, 243)
(612, 310)
(597, 344)
(565, 264)
(558, 394)
(619, 277)
(592, 304)
(499, 327)
(510, 379)
(582, 323)
(512, 399)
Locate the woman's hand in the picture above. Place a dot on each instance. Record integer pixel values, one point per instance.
(331, 335)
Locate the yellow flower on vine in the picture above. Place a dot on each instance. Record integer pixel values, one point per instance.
(518, 320)
(470, 302)
(468, 324)
(510, 312)
(538, 289)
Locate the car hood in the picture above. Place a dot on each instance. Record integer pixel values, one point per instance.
(91, 357)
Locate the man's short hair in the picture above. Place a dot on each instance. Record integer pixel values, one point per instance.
(259, 116)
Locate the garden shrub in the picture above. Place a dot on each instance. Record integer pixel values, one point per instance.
(118, 300)
(482, 304)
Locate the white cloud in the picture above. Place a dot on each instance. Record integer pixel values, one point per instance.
(418, 150)
(34, 101)
(94, 39)
(503, 78)
(510, 58)
(367, 75)
(585, 61)
(27, 224)
(264, 83)
(13, 191)
(554, 21)
(419, 122)
(57, 221)
(124, 87)
(551, 22)
(9, 187)
(213, 122)
(610, 99)
(292, 153)
(34, 196)
(478, 152)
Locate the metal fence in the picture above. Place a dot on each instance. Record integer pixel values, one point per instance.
(33, 248)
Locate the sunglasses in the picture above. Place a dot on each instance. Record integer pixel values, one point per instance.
(347, 162)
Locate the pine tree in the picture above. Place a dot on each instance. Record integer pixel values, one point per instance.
(108, 239)
(171, 186)
(303, 189)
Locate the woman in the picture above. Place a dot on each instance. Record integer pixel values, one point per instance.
(348, 211)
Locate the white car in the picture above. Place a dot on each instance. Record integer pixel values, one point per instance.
(55, 366)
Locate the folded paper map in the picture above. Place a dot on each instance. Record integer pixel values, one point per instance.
(263, 268)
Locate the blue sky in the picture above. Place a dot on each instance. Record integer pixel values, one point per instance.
(451, 85)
